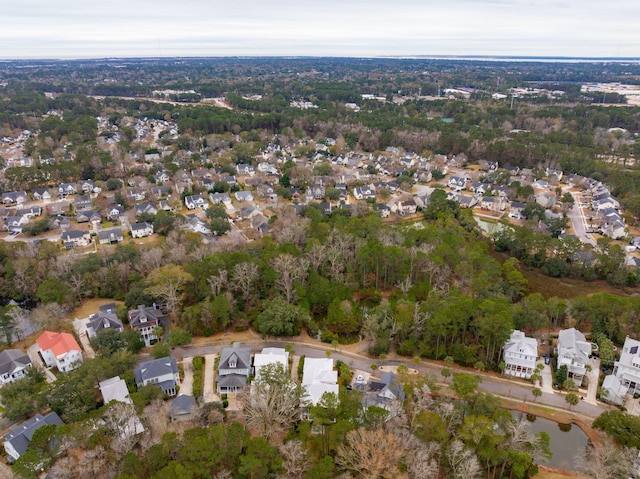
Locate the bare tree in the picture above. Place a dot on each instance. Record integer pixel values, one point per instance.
(371, 453)
(290, 228)
(167, 283)
(244, 277)
(273, 403)
(123, 425)
(150, 259)
(463, 463)
(608, 461)
(217, 282)
(316, 255)
(291, 270)
(294, 459)
(49, 316)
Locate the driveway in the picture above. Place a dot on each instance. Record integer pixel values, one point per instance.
(209, 391)
(187, 383)
(80, 325)
(34, 355)
(547, 379)
(593, 377)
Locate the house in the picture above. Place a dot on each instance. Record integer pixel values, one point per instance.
(41, 194)
(15, 223)
(466, 201)
(363, 193)
(61, 222)
(18, 197)
(83, 203)
(110, 236)
(145, 208)
(381, 393)
(196, 201)
(160, 191)
(573, 352)
(161, 372)
(14, 365)
(60, 350)
(270, 356)
(234, 368)
(627, 368)
(195, 224)
(144, 319)
(492, 204)
(136, 194)
(17, 441)
(116, 213)
(220, 198)
(520, 354)
(318, 377)
(243, 196)
(115, 389)
(265, 167)
(315, 192)
(30, 212)
(141, 230)
(91, 216)
(182, 408)
(546, 200)
(105, 318)
(457, 183)
(161, 177)
(407, 207)
(76, 238)
(87, 186)
(65, 189)
(245, 169)
(613, 391)
(516, 209)
(479, 188)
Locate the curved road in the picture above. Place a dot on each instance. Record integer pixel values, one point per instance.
(498, 386)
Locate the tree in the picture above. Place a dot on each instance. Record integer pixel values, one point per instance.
(160, 350)
(280, 318)
(274, 402)
(465, 385)
(8, 323)
(291, 271)
(572, 399)
(371, 453)
(463, 463)
(167, 283)
(608, 461)
(294, 459)
(536, 393)
(178, 337)
(244, 277)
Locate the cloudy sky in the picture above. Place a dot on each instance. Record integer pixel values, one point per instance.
(121, 28)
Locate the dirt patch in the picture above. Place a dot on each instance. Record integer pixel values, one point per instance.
(550, 473)
(90, 306)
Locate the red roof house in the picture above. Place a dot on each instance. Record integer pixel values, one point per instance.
(60, 350)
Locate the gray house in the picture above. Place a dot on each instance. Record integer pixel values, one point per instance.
(144, 319)
(234, 368)
(14, 365)
(161, 372)
(105, 318)
(18, 439)
(110, 236)
(573, 352)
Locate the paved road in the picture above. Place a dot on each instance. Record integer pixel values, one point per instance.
(498, 386)
(576, 216)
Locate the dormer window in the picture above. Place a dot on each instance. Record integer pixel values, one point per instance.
(233, 362)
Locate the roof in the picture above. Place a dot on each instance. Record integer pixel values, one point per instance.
(183, 404)
(232, 381)
(270, 356)
(572, 342)
(59, 343)
(144, 315)
(630, 355)
(115, 389)
(12, 360)
(519, 343)
(20, 437)
(318, 377)
(243, 355)
(155, 368)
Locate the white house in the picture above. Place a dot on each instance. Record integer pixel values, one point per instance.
(520, 354)
(14, 365)
(115, 389)
(627, 369)
(318, 377)
(60, 350)
(141, 230)
(457, 183)
(573, 352)
(196, 201)
(270, 356)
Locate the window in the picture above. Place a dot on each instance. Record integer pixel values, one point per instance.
(233, 362)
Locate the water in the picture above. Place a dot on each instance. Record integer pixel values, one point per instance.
(566, 440)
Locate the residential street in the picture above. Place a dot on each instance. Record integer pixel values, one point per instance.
(578, 221)
(499, 386)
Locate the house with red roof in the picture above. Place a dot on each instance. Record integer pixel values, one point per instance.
(60, 350)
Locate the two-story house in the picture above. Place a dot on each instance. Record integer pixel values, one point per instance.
(14, 365)
(161, 372)
(519, 355)
(573, 352)
(318, 377)
(141, 230)
(196, 201)
(76, 238)
(145, 319)
(105, 318)
(16, 442)
(234, 368)
(627, 369)
(60, 350)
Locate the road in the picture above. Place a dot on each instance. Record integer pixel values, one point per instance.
(579, 223)
(498, 386)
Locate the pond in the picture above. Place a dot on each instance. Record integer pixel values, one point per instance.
(566, 440)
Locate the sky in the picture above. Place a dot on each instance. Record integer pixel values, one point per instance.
(361, 28)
